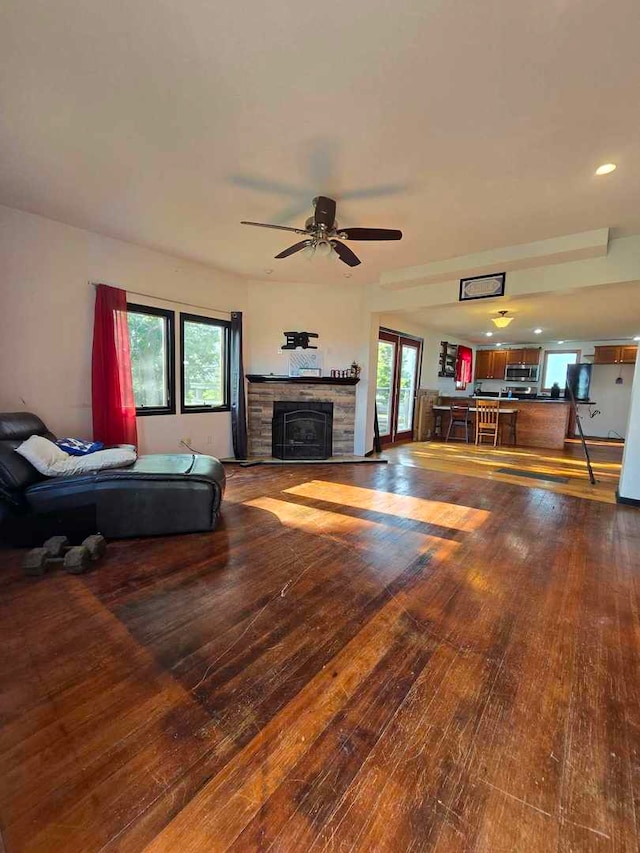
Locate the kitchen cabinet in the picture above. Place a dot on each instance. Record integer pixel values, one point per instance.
(523, 356)
(615, 355)
(490, 364)
(628, 354)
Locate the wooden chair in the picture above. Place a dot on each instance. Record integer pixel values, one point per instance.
(487, 420)
(459, 416)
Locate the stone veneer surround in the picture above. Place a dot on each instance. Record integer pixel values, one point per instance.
(262, 395)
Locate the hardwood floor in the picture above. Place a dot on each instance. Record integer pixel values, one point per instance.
(490, 462)
(366, 657)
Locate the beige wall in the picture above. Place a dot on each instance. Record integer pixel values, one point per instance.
(46, 323)
(335, 312)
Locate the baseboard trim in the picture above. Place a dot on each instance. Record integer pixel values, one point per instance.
(626, 501)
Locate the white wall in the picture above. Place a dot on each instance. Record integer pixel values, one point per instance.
(335, 312)
(630, 475)
(46, 323)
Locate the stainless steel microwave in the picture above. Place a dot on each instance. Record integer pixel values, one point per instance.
(522, 372)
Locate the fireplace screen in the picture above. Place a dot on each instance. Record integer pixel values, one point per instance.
(302, 430)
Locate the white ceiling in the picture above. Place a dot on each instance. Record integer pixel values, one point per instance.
(607, 312)
(468, 125)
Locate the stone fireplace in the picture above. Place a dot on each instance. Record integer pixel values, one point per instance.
(324, 394)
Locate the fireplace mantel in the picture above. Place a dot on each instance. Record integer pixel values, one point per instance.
(303, 380)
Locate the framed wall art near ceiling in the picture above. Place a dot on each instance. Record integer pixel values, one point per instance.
(482, 286)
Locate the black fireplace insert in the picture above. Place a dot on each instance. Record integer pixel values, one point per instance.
(302, 430)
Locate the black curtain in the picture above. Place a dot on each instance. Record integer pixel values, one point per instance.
(238, 404)
(377, 445)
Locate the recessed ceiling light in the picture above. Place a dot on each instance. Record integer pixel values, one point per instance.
(606, 169)
(489, 334)
(268, 272)
(347, 275)
(537, 331)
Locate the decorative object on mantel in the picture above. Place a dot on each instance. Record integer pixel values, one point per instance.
(305, 360)
(309, 371)
(448, 360)
(300, 380)
(353, 371)
(482, 286)
(299, 339)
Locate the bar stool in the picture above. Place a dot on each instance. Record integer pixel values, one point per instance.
(459, 416)
(487, 421)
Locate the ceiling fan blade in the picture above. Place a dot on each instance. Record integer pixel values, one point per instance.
(325, 212)
(371, 233)
(345, 254)
(277, 227)
(298, 247)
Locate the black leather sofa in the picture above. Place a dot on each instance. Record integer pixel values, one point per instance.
(157, 495)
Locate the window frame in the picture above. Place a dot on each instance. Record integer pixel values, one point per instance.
(549, 352)
(225, 325)
(170, 320)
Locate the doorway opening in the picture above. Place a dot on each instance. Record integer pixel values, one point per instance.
(398, 371)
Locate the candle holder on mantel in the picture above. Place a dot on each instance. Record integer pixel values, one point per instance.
(352, 372)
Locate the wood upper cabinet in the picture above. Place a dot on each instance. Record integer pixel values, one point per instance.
(628, 354)
(523, 356)
(483, 363)
(499, 363)
(490, 364)
(615, 355)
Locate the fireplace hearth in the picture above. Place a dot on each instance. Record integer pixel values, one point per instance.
(302, 430)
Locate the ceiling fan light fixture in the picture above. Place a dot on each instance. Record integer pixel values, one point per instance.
(324, 249)
(501, 321)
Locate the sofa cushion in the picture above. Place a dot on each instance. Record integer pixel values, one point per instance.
(51, 461)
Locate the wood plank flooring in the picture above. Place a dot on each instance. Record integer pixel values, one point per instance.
(367, 658)
(485, 461)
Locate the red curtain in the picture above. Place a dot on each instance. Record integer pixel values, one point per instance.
(464, 367)
(114, 408)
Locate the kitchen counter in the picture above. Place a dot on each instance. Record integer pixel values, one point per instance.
(540, 423)
(510, 400)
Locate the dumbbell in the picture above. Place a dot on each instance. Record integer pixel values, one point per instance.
(75, 559)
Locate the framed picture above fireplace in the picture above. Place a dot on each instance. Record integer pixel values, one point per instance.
(305, 360)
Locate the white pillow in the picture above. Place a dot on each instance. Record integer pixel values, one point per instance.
(50, 460)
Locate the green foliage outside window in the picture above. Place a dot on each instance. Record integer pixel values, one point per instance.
(203, 364)
(147, 342)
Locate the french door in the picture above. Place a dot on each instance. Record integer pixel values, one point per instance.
(397, 381)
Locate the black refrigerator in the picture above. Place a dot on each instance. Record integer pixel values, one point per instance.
(579, 380)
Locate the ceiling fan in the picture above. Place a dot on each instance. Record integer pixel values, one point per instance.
(324, 236)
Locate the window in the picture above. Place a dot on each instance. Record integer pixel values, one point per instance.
(205, 365)
(555, 367)
(151, 339)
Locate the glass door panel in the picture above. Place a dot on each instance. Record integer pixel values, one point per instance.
(396, 384)
(407, 389)
(384, 386)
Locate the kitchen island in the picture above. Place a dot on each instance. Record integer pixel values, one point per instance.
(539, 422)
